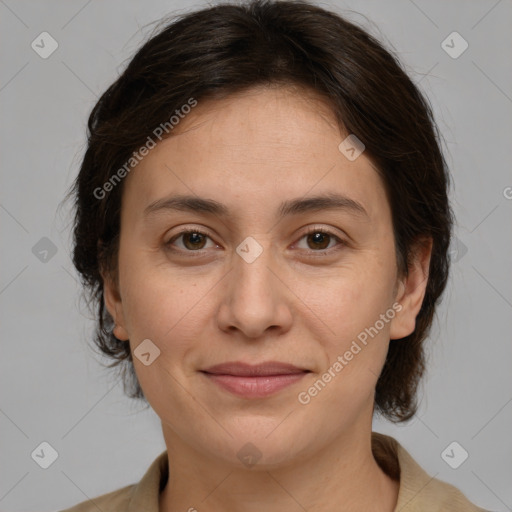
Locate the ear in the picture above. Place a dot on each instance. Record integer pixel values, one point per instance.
(411, 290)
(114, 306)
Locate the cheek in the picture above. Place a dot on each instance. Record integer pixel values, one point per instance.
(350, 299)
(168, 306)
(357, 341)
(355, 348)
(155, 306)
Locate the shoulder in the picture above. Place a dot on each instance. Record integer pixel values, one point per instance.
(115, 501)
(418, 490)
(139, 497)
(442, 496)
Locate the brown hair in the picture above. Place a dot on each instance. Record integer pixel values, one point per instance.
(228, 48)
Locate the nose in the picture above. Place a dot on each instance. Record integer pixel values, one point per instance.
(256, 298)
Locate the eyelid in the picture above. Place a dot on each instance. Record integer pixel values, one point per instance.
(322, 229)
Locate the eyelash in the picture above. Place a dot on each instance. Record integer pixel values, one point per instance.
(309, 231)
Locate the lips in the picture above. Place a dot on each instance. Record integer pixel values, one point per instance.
(246, 370)
(254, 381)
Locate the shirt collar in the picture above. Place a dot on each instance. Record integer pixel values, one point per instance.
(146, 493)
(415, 489)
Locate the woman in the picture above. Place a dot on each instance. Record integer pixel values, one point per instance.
(262, 218)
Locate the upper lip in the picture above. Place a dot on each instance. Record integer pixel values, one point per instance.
(240, 369)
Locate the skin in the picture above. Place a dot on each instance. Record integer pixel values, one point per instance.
(251, 151)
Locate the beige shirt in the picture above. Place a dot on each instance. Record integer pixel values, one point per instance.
(418, 491)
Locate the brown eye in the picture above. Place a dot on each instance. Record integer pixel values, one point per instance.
(319, 240)
(192, 240)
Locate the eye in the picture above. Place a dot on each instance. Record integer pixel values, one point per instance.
(193, 240)
(319, 239)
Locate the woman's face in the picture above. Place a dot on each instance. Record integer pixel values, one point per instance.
(256, 287)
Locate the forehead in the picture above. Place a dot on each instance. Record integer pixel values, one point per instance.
(282, 120)
(251, 147)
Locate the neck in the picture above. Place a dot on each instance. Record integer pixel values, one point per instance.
(345, 476)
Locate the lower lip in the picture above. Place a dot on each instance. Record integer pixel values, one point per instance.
(255, 387)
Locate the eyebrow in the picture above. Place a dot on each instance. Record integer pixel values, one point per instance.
(196, 204)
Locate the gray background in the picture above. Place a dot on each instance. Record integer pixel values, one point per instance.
(52, 387)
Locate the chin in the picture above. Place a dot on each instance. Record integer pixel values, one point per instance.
(264, 445)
